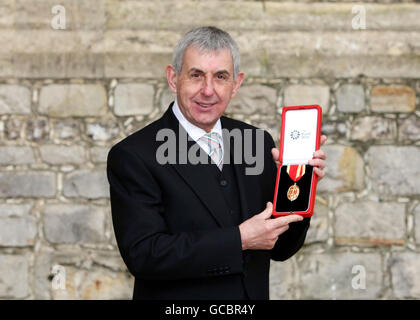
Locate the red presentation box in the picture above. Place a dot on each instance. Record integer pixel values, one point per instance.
(296, 181)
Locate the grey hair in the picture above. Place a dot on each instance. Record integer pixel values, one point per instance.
(207, 39)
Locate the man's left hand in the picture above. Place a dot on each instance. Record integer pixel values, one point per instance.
(318, 161)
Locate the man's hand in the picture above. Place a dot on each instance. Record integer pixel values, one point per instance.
(318, 161)
(261, 232)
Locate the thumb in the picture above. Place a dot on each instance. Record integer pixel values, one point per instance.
(268, 211)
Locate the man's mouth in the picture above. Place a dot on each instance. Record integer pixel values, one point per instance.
(205, 105)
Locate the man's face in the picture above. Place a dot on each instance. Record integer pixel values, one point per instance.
(205, 85)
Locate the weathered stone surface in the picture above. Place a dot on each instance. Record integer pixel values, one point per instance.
(15, 99)
(417, 224)
(318, 230)
(133, 99)
(13, 128)
(70, 223)
(104, 270)
(37, 130)
(370, 222)
(17, 227)
(99, 154)
(409, 128)
(331, 275)
(57, 155)
(166, 98)
(102, 131)
(350, 98)
(253, 99)
(334, 129)
(394, 170)
(86, 184)
(66, 130)
(10, 155)
(80, 15)
(344, 170)
(277, 15)
(283, 280)
(296, 95)
(78, 100)
(373, 128)
(14, 284)
(392, 99)
(95, 284)
(405, 275)
(27, 184)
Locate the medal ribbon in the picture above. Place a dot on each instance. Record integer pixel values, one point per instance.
(296, 171)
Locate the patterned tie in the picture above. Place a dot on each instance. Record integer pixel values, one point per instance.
(215, 153)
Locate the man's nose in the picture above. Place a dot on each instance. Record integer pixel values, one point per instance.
(208, 86)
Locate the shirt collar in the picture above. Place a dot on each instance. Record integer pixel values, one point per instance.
(193, 131)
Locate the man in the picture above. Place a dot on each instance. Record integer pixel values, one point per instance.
(203, 230)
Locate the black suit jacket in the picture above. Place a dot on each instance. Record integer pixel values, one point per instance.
(173, 228)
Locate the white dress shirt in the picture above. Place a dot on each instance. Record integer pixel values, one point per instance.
(195, 132)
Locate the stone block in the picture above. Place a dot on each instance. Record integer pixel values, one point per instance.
(73, 100)
(409, 128)
(339, 275)
(344, 170)
(13, 155)
(66, 129)
(59, 154)
(27, 184)
(350, 98)
(86, 184)
(373, 128)
(102, 130)
(392, 99)
(15, 99)
(37, 129)
(370, 222)
(405, 276)
(84, 275)
(133, 99)
(14, 276)
(318, 230)
(70, 223)
(417, 224)
(99, 154)
(17, 227)
(254, 99)
(394, 170)
(284, 283)
(296, 95)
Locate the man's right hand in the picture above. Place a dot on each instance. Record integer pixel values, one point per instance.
(261, 232)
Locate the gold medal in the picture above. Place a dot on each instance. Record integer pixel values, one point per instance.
(293, 192)
(295, 172)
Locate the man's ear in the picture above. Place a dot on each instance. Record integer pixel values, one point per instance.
(171, 76)
(237, 83)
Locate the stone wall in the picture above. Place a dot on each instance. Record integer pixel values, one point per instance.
(67, 95)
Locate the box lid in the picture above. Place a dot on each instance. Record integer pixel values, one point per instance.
(300, 134)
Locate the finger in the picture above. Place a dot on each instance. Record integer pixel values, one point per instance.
(323, 139)
(282, 221)
(275, 153)
(319, 172)
(282, 229)
(317, 163)
(319, 154)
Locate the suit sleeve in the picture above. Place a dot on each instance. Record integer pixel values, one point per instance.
(147, 247)
(292, 240)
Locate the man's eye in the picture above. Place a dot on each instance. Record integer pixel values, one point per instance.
(195, 75)
(221, 77)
